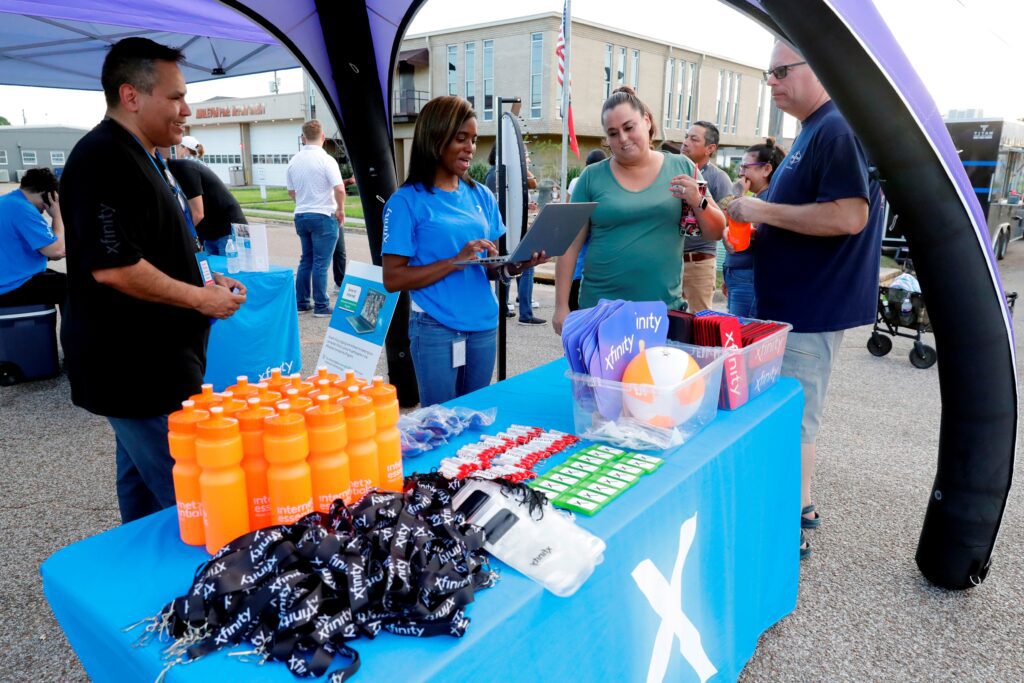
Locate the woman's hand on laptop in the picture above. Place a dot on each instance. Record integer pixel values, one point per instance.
(472, 250)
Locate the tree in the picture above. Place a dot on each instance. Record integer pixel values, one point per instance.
(4, 122)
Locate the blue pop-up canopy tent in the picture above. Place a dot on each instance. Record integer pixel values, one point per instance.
(350, 50)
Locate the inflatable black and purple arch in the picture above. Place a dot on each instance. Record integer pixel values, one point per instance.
(350, 49)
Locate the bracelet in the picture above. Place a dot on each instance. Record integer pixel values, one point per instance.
(504, 274)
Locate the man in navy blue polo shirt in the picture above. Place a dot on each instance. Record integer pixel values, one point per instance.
(818, 245)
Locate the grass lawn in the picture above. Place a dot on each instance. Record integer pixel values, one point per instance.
(251, 196)
(353, 208)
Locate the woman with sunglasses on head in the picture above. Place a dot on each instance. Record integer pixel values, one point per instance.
(438, 218)
(636, 247)
(756, 170)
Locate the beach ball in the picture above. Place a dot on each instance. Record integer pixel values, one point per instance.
(656, 390)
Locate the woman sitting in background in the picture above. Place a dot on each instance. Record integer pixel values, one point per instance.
(437, 218)
(636, 246)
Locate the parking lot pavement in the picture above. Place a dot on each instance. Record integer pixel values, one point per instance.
(865, 612)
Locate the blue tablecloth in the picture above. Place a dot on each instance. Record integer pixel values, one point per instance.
(736, 484)
(263, 334)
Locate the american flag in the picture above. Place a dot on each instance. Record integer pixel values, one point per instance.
(560, 54)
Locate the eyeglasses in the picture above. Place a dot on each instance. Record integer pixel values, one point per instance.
(744, 167)
(781, 72)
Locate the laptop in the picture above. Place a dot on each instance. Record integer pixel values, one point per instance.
(366, 321)
(553, 231)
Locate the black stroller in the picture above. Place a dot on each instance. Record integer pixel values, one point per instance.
(901, 309)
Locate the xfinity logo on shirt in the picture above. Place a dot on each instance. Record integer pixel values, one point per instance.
(387, 217)
(794, 159)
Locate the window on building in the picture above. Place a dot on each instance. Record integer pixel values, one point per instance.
(729, 85)
(453, 71)
(237, 158)
(690, 95)
(488, 80)
(670, 70)
(56, 158)
(620, 75)
(3, 157)
(470, 69)
(736, 102)
(680, 88)
(536, 75)
(758, 123)
(719, 97)
(607, 71)
(28, 158)
(635, 70)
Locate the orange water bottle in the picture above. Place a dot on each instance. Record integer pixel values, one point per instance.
(363, 469)
(328, 461)
(295, 382)
(222, 481)
(325, 388)
(389, 440)
(323, 373)
(231, 404)
(349, 380)
(242, 389)
(276, 381)
(298, 402)
(286, 446)
(267, 396)
(181, 437)
(254, 464)
(206, 398)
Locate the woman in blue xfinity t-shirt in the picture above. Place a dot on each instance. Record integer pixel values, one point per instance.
(440, 216)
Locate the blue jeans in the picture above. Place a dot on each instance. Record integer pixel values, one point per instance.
(318, 234)
(216, 247)
(524, 283)
(144, 464)
(740, 283)
(431, 346)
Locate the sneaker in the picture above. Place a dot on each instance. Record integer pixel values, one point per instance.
(532, 321)
(305, 309)
(325, 313)
(510, 314)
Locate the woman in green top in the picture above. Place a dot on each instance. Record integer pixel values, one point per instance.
(636, 249)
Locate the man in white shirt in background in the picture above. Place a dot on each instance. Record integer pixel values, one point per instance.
(315, 183)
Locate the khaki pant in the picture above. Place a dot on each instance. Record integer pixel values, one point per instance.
(698, 284)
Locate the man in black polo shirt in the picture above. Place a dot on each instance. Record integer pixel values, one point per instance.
(141, 295)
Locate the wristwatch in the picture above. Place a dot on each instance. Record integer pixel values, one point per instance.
(703, 203)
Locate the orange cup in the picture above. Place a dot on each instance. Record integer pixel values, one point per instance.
(739, 234)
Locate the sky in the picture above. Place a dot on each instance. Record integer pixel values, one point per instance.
(960, 48)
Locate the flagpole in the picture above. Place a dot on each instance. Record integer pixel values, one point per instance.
(566, 82)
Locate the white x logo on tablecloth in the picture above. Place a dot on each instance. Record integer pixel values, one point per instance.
(666, 600)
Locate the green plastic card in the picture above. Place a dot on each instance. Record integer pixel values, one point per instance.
(570, 471)
(562, 478)
(647, 467)
(628, 469)
(577, 504)
(622, 476)
(615, 482)
(604, 489)
(585, 466)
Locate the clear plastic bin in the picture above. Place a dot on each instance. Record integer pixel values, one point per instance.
(752, 370)
(601, 408)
